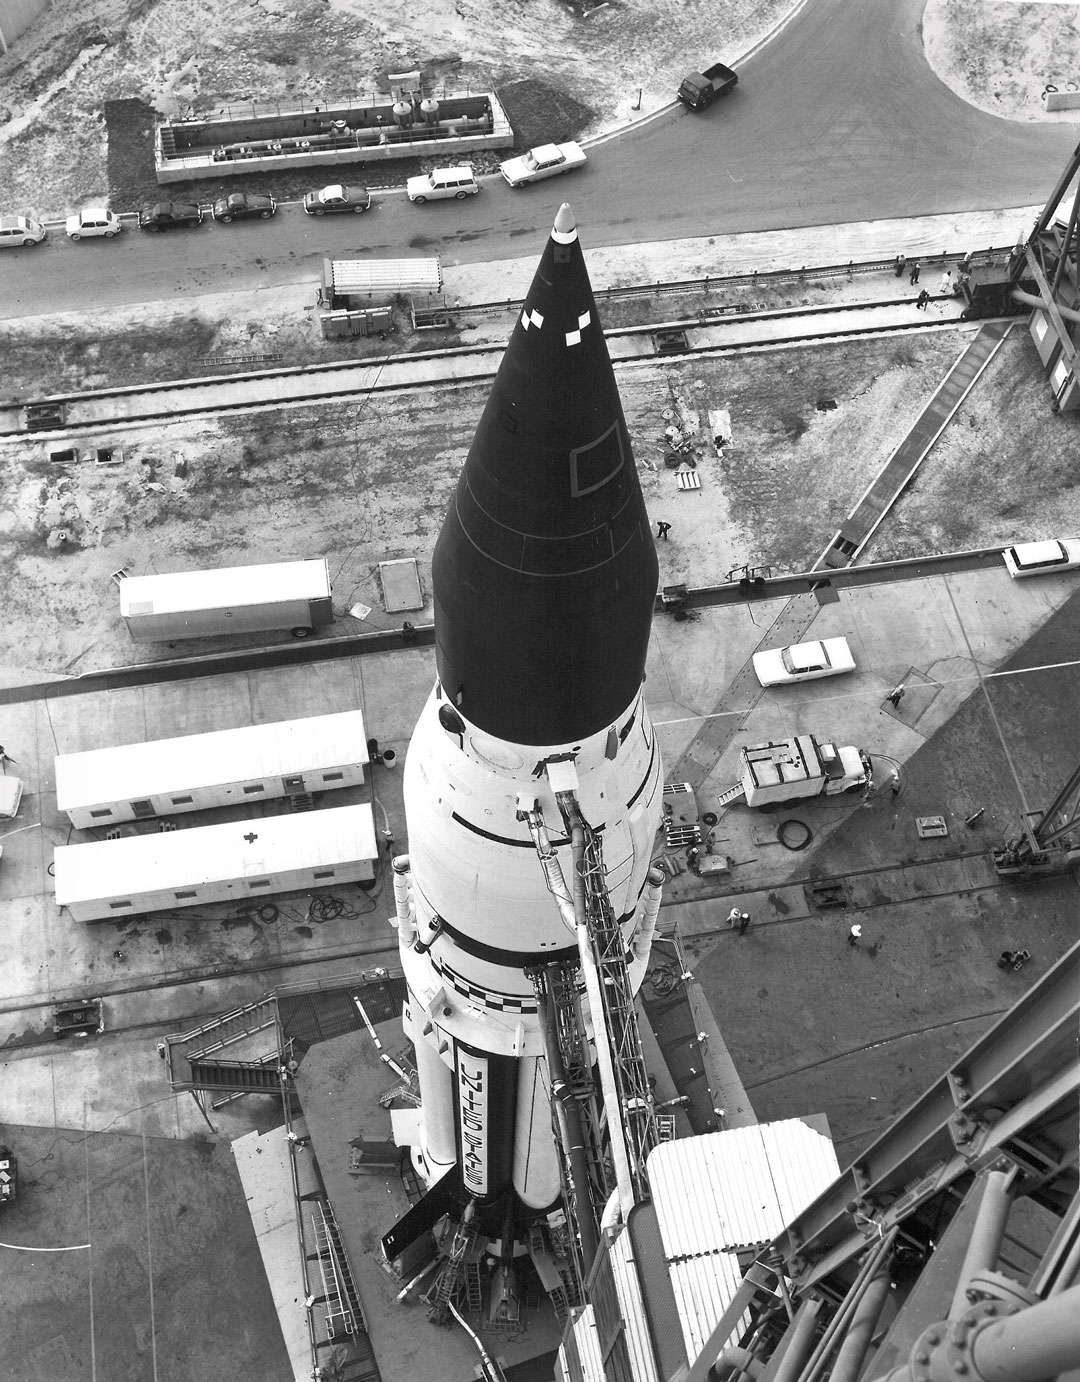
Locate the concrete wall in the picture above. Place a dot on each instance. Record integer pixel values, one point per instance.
(16, 16)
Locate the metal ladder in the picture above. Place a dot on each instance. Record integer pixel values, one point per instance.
(448, 1282)
(338, 1291)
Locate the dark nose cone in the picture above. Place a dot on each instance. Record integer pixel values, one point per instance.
(545, 570)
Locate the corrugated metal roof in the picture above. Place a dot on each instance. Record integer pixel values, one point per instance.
(357, 276)
(587, 1343)
(725, 1191)
(638, 1341)
(704, 1287)
(731, 1189)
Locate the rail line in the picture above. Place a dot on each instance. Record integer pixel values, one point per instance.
(126, 405)
(214, 977)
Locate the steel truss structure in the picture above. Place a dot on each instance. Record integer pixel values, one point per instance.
(951, 1248)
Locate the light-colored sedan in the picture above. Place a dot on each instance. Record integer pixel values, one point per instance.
(91, 221)
(1040, 558)
(20, 230)
(824, 657)
(542, 162)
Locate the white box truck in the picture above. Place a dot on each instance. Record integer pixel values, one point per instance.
(292, 595)
(793, 769)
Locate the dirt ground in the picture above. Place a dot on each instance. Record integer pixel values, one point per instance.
(566, 68)
(368, 481)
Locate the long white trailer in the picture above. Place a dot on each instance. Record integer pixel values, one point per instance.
(292, 595)
(236, 862)
(127, 782)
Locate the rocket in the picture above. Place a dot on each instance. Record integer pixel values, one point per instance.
(544, 579)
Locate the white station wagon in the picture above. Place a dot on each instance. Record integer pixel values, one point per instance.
(1040, 558)
(442, 182)
(542, 162)
(824, 657)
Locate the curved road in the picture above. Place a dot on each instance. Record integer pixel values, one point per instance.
(837, 118)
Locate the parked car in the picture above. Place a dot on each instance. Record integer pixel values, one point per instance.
(93, 220)
(823, 657)
(337, 198)
(242, 206)
(165, 215)
(20, 230)
(1038, 558)
(542, 162)
(442, 182)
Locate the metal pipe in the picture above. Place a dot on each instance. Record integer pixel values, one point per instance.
(575, 1140)
(490, 1369)
(987, 1232)
(1030, 300)
(1039, 1342)
(851, 1354)
(735, 1360)
(653, 893)
(795, 1344)
(868, 1270)
(1070, 230)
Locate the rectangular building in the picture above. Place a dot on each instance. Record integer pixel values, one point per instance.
(239, 861)
(164, 777)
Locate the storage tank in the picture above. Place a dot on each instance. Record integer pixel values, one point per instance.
(403, 114)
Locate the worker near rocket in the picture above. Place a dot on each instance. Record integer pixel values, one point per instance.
(544, 577)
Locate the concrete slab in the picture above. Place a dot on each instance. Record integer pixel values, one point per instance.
(807, 1023)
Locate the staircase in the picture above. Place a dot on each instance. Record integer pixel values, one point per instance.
(449, 1280)
(301, 801)
(239, 1052)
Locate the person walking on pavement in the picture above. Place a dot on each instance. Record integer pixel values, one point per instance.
(896, 695)
(901, 264)
(854, 934)
(922, 299)
(946, 285)
(736, 917)
(5, 759)
(913, 277)
(744, 922)
(662, 529)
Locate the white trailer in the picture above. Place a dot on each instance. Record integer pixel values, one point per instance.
(292, 595)
(128, 782)
(237, 862)
(793, 769)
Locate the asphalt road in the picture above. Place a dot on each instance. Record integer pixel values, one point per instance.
(838, 118)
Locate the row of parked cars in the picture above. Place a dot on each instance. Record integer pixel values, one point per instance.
(459, 182)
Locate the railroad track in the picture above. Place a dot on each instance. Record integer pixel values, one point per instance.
(61, 415)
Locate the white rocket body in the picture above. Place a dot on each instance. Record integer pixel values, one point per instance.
(480, 909)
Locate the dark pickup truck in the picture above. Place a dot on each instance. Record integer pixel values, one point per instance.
(700, 89)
